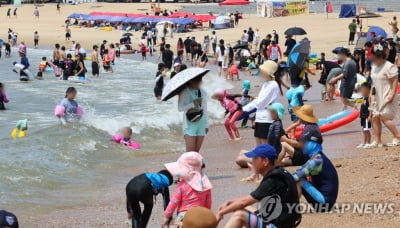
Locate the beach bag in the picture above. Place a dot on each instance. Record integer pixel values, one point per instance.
(194, 116)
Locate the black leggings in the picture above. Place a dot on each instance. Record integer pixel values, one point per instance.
(139, 189)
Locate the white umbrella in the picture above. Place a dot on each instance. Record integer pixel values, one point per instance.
(179, 81)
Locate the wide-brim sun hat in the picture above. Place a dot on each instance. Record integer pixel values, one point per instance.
(188, 168)
(269, 67)
(306, 113)
(199, 217)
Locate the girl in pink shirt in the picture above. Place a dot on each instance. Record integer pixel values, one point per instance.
(193, 190)
(111, 53)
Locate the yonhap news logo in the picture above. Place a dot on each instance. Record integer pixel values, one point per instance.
(270, 208)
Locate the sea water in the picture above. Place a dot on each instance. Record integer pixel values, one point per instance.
(56, 166)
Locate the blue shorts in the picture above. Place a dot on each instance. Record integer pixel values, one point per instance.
(255, 221)
(197, 128)
(293, 116)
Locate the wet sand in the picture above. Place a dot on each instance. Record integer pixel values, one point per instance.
(365, 175)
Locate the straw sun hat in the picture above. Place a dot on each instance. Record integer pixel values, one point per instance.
(306, 113)
(199, 217)
(269, 67)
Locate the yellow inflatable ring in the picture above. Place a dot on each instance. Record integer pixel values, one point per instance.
(20, 135)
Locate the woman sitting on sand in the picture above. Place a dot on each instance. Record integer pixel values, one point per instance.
(384, 101)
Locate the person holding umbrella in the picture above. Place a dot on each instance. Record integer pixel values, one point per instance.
(192, 102)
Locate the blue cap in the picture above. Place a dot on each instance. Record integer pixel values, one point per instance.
(263, 151)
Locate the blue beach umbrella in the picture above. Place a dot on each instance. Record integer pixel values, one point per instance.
(298, 55)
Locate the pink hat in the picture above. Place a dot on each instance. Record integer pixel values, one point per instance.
(188, 168)
(219, 93)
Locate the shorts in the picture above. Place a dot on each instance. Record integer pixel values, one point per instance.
(95, 68)
(106, 67)
(318, 207)
(299, 158)
(187, 50)
(293, 116)
(36, 42)
(158, 92)
(368, 64)
(333, 73)
(256, 221)
(197, 128)
(143, 54)
(220, 63)
(346, 92)
(365, 124)
(261, 130)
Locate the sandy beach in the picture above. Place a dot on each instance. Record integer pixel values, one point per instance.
(365, 175)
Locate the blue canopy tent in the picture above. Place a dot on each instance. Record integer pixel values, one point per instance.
(378, 31)
(348, 10)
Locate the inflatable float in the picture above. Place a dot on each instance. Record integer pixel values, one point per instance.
(127, 52)
(131, 144)
(334, 121)
(20, 129)
(360, 80)
(59, 111)
(18, 66)
(77, 79)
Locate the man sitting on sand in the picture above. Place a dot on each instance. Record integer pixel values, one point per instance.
(317, 180)
(294, 148)
(277, 188)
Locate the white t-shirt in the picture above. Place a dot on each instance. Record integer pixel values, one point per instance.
(245, 37)
(245, 53)
(214, 39)
(268, 95)
(220, 56)
(149, 34)
(256, 37)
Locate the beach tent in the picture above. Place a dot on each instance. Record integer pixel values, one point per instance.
(234, 2)
(368, 33)
(348, 10)
(221, 22)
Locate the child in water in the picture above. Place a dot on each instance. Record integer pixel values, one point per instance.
(233, 108)
(107, 62)
(365, 115)
(3, 97)
(69, 107)
(20, 129)
(125, 138)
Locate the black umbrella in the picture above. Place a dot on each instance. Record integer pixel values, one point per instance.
(297, 57)
(180, 80)
(295, 31)
(127, 34)
(240, 46)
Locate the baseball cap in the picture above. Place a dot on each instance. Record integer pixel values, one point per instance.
(8, 219)
(263, 151)
(177, 64)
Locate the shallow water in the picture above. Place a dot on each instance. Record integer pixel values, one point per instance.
(57, 166)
